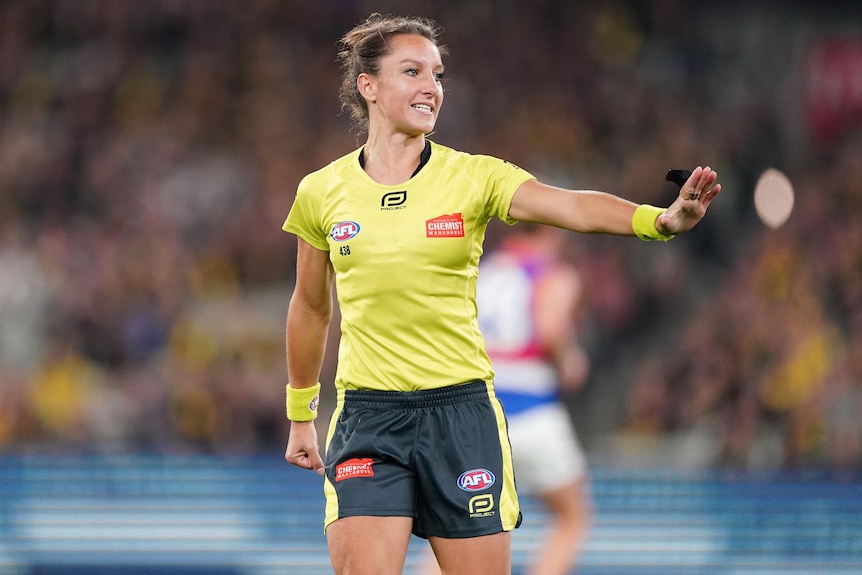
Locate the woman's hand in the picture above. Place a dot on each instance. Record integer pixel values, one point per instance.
(302, 449)
(690, 206)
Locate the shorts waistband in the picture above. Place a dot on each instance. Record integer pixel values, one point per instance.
(449, 395)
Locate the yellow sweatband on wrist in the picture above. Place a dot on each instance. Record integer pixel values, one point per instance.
(643, 223)
(302, 402)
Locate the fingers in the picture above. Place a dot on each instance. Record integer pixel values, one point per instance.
(710, 195)
(316, 463)
(700, 184)
(302, 449)
(304, 460)
(312, 460)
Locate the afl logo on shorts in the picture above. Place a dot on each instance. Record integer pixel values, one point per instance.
(476, 480)
(343, 231)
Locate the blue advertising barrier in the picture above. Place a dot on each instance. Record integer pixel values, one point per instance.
(177, 515)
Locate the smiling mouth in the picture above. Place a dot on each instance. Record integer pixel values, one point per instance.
(422, 108)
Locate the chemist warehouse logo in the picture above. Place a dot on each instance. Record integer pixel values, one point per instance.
(445, 226)
(356, 467)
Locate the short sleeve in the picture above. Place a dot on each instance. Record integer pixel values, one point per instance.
(304, 217)
(504, 178)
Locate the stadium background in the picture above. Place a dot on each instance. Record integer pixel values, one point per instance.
(148, 155)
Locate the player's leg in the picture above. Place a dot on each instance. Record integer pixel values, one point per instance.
(565, 535)
(551, 466)
(484, 555)
(369, 545)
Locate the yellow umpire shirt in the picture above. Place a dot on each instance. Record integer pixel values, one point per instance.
(406, 260)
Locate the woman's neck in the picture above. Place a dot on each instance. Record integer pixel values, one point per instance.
(394, 161)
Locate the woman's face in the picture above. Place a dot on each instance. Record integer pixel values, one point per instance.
(406, 94)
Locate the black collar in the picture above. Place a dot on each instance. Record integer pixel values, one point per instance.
(423, 158)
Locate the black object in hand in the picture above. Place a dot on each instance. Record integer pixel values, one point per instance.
(678, 177)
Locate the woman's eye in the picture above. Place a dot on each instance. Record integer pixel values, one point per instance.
(412, 71)
(439, 76)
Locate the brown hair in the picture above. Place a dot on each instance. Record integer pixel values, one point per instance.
(362, 47)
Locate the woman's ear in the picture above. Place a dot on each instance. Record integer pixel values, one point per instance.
(366, 86)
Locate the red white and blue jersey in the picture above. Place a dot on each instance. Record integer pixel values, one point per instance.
(524, 377)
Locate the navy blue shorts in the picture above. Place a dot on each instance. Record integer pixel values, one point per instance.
(440, 456)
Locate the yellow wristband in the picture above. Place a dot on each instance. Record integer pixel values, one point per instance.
(643, 223)
(302, 402)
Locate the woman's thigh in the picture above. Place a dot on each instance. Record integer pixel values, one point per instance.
(485, 555)
(364, 545)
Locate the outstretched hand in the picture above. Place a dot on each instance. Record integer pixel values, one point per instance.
(302, 449)
(691, 204)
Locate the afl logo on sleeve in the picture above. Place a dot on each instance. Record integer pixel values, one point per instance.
(476, 480)
(343, 231)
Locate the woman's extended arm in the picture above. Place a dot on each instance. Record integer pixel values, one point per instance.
(590, 211)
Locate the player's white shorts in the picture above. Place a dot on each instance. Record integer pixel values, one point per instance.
(545, 447)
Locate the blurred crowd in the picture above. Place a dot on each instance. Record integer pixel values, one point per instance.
(149, 152)
(766, 373)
